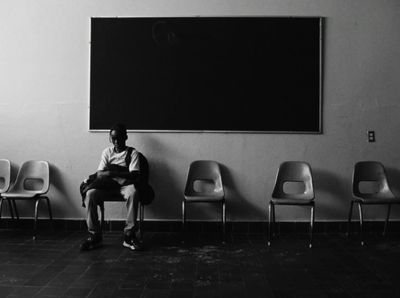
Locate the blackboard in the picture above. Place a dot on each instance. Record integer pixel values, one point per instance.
(212, 74)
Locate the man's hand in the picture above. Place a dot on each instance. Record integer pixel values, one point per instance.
(118, 172)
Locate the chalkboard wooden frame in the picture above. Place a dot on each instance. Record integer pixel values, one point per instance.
(95, 127)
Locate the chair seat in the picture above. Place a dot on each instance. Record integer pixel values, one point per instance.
(204, 198)
(20, 195)
(375, 201)
(292, 201)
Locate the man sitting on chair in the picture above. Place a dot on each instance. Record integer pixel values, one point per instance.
(113, 167)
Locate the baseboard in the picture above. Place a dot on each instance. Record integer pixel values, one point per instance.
(205, 226)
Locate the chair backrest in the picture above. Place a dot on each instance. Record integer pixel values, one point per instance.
(31, 172)
(5, 175)
(294, 171)
(204, 170)
(374, 172)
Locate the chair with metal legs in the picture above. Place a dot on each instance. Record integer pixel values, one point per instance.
(292, 172)
(370, 187)
(32, 183)
(204, 185)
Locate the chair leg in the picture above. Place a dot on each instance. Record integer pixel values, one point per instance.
(11, 208)
(269, 222)
(15, 208)
(141, 218)
(312, 219)
(102, 217)
(1, 205)
(36, 218)
(274, 228)
(387, 219)
(349, 218)
(361, 222)
(183, 215)
(223, 219)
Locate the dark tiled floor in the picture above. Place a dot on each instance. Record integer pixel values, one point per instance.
(202, 266)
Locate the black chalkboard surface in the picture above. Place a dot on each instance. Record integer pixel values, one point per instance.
(216, 74)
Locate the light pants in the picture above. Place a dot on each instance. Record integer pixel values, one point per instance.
(95, 197)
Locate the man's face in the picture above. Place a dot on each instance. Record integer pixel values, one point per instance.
(118, 139)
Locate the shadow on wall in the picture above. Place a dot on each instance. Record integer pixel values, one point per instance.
(393, 176)
(14, 171)
(239, 207)
(165, 187)
(163, 178)
(340, 189)
(57, 190)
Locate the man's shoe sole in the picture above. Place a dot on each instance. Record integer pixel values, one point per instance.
(127, 245)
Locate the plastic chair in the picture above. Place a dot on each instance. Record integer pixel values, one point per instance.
(5, 177)
(144, 177)
(208, 172)
(297, 172)
(30, 173)
(371, 172)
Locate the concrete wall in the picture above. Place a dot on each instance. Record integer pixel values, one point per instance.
(44, 79)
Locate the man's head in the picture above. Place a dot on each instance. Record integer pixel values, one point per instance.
(118, 137)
